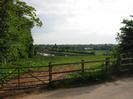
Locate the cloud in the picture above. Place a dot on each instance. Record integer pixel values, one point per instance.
(107, 1)
(79, 21)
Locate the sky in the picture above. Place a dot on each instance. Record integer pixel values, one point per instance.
(79, 21)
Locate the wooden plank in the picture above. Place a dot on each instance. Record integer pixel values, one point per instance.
(94, 61)
(22, 67)
(127, 64)
(74, 63)
(125, 70)
(93, 69)
(70, 71)
(37, 76)
(34, 67)
(126, 59)
(42, 71)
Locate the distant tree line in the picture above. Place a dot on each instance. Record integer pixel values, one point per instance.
(84, 49)
(16, 21)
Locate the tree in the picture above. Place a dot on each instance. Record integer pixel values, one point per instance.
(3, 29)
(125, 38)
(18, 19)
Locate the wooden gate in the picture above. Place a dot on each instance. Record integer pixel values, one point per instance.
(19, 78)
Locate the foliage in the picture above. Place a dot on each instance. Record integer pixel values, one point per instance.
(125, 38)
(17, 20)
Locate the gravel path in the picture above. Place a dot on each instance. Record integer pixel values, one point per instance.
(120, 89)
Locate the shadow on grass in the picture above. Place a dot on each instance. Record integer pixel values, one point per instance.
(76, 82)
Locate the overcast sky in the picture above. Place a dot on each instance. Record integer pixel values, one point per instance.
(79, 21)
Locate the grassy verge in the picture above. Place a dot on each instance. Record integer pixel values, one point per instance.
(80, 79)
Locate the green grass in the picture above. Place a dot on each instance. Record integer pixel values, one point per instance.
(43, 61)
(101, 52)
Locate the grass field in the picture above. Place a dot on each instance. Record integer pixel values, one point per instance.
(44, 60)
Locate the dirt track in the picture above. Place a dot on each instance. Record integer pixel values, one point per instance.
(120, 89)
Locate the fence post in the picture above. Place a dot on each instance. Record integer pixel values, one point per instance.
(107, 61)
(119, 64)
(82, 67)
(50, 72)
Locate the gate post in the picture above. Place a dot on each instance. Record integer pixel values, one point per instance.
(119, 64)
(82, 67)
(50, 72)
(107, 61)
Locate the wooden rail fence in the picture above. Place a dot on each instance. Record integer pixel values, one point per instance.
(23, 77)
(81, 63)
